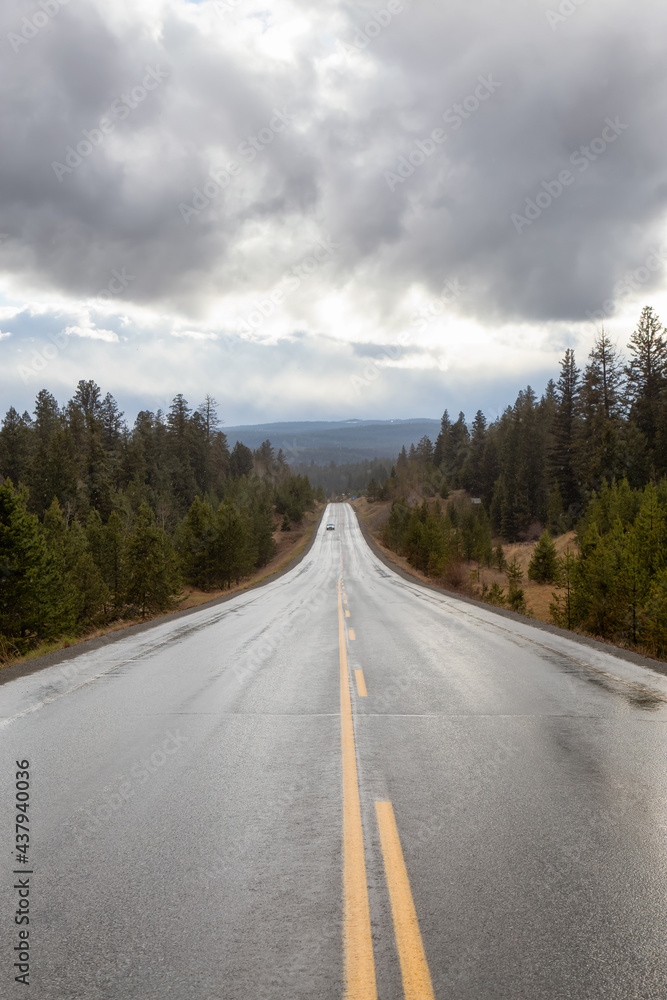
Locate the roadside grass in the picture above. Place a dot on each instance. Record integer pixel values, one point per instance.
(538, 595)
(469, 578)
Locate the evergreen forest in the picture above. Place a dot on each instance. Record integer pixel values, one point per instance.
(100, 521)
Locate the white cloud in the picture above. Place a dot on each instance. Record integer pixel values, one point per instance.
(195, 334)
(91, 333)
(194, 302)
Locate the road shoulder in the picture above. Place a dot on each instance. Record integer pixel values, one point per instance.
(659, 666)
(26, 667)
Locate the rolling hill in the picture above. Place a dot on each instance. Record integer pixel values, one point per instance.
(342, 442)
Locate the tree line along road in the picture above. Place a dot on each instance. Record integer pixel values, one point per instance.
(340, 784)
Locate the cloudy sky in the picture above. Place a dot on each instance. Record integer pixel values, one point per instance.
(331, 210)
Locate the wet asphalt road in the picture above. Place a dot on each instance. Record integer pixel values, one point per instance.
(187, 813)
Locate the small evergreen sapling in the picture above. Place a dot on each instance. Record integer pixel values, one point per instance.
(543, 566)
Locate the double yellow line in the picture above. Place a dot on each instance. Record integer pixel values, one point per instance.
(359, 964)
(358, 943)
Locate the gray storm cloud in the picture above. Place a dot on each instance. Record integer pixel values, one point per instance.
(435, 144)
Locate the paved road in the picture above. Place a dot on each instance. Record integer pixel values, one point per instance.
(477, 811)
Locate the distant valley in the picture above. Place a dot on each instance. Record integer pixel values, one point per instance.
(343, 442)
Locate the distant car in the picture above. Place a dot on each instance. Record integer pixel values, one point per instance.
(331, 527)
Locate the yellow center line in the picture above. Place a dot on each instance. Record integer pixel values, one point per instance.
(359, 963)
(351, 634)
(361, 683)
(414, 967)
(347, 613)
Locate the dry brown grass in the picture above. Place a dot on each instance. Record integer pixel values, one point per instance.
(538, 595)
(463, 577)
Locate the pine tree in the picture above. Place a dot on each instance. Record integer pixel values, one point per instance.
(516, 597)
(84, 414)
(424, 450)
(261, 523)
(113, 558)
(456, 450)
(152, 577)
(180, 453)
(555, 524)
(92, 594)
(64, 545)
(234, 559)
(562, 607)
(53, 470)
(473, 472)
(15, 446)
(264, 459)
(95, 537)
(372, 490)
(199, 454)
(494, 595)
(27, 613)
(647, 381)
(598, 601)
(509, 506)
(111, 422)
(601, 393)
(499, 558)
(196, 545)
(564, 458)
(219, 461)
(240, 461)
(633, 579)
(209, 413)
(543, 566)
(654, 616)
(650, 527)
(441, 440)
(490, 466)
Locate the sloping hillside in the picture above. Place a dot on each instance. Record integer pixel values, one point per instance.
(341, 442)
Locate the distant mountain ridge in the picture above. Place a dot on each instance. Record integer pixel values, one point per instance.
(339, 441)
